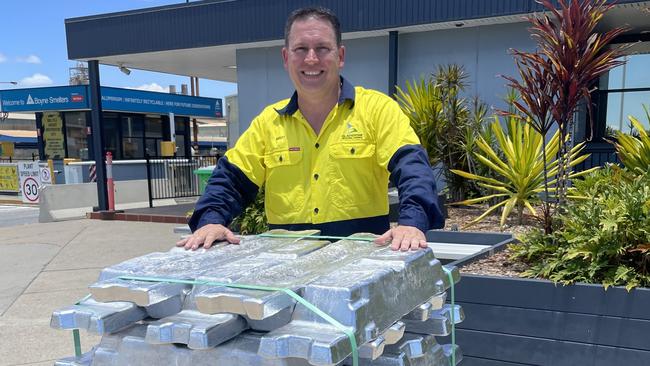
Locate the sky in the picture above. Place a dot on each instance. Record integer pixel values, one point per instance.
(33, 50)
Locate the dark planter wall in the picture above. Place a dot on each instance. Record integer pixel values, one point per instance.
(512, 321)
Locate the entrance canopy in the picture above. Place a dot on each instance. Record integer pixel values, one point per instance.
(201, 38)
(76, 97)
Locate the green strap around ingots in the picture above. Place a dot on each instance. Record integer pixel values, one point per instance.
(453, 316)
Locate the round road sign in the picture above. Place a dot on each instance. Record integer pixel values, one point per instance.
(30, 189)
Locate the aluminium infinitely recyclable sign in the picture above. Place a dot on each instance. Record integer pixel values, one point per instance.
(76, 97)
(129, 100)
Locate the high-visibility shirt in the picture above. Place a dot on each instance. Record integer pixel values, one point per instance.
(336, 181)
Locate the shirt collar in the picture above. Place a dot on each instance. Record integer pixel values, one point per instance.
(347, 93)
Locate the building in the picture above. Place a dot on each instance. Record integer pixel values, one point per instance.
(135, 123)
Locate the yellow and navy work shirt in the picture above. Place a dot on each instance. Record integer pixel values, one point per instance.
(336, 181)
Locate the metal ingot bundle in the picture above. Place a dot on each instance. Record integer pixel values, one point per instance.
(183, 307)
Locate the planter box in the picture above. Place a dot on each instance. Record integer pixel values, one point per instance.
(485, 243)
(514, 321)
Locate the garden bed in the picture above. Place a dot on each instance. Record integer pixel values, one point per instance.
(518, 321)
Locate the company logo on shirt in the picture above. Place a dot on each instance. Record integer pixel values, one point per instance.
(351, 133)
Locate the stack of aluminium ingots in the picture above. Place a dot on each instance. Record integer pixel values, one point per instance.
(392, 302)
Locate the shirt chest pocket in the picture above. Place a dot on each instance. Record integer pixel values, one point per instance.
(351, 172)
(284, 185)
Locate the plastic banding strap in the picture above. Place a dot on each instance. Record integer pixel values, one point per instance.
(453, 316)
(75, 333)
(295, 296)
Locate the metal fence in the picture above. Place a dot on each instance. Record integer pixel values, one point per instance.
(601, 153)
(175, 177)
(16, 160)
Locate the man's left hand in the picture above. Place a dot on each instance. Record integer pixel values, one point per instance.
(403, 238)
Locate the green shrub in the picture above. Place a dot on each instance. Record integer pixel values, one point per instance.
(517, 166)
(253, 219)
(604, 236)
(447, 124)
(634, 149)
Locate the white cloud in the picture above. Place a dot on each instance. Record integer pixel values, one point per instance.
(36, 80)
(154, 87)
(3, 58)
(31, 59)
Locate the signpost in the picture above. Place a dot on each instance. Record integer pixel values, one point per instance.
(29, 181)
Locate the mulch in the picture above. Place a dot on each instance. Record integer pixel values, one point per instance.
(498, 264)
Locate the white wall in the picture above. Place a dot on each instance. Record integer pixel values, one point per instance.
(483, 51)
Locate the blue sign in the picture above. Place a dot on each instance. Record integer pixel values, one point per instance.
(44, 99)
(113, 99)
(129, 100)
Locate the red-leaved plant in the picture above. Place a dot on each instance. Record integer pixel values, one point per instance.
(560, 74)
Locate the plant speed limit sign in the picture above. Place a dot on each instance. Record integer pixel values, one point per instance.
(29, 181)
(30, 190)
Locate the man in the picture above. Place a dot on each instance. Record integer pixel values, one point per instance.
(325, 155)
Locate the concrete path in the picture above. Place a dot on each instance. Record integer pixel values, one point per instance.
(44, 267)
(11, 215)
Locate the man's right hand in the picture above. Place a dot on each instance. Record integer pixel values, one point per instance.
(206, 236)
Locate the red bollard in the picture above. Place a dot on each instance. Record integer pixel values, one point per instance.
(109, 181)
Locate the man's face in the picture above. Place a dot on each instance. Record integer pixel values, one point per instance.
(312, 58)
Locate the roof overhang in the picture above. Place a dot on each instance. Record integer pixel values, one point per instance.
(201, 38)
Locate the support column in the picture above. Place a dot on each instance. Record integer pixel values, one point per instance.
(392, 62)
(96, 132)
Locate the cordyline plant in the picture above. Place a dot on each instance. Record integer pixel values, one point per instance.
(557, 77)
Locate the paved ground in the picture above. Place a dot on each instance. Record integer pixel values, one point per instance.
(12, 215)
(47, 266)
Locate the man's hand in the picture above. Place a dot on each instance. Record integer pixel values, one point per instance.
(403, 238)
(207, 235)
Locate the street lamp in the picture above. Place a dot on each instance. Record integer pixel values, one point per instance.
(9, 82)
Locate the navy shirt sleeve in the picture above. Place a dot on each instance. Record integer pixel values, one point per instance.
(411, 173)
(227, 193)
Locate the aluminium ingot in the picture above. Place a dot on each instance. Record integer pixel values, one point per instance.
(439, 322)
(257, 304)
(195, 329)
(368, 295)
(97, 317)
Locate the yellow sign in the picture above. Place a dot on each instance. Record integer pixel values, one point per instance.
(7, 149)
(9, 178)
(53, 135)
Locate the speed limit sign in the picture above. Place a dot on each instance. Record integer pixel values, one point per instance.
(29, 181)
(30, 190)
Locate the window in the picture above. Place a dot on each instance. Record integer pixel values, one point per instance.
(180, 125)
(625, 90)
(153, 129)
(132, 137)
(111, 133)
(75, 131)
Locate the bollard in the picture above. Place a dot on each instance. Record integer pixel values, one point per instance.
(109, 181)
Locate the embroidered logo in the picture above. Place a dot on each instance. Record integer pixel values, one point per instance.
(351, 133)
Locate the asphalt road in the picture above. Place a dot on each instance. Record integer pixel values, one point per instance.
(13, 215)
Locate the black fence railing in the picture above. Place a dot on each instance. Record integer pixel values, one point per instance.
(600, 153)
(10, 159)
(175, 177)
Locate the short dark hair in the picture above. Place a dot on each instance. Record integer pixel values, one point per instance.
(317, 12)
